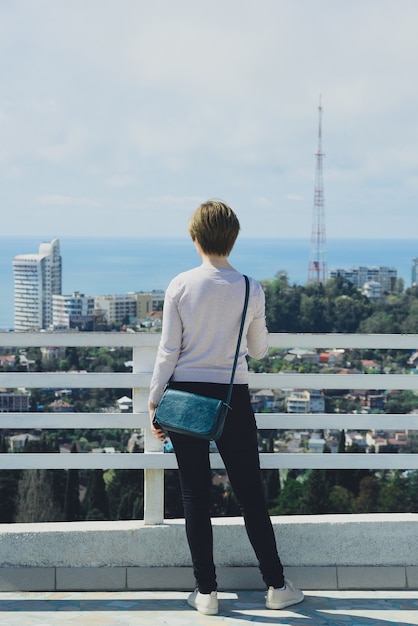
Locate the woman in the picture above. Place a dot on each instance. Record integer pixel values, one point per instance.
(202, 314)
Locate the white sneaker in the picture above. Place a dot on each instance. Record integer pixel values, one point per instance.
(206, 603)
(281, 598)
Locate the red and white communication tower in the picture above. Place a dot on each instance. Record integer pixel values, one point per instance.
(318, 263)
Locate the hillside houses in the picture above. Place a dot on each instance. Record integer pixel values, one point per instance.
(310, 401)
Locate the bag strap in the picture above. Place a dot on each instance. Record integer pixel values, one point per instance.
(234, 367)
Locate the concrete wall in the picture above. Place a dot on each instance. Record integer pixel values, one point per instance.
(375, 551)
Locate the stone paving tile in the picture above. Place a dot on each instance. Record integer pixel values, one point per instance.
(161, 608)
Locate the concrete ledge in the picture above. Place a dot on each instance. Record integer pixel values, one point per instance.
(27, 578)
(181, 578)
(160, 578)
(319, 552)
(93, 578)
(371, 578)
(412, 577)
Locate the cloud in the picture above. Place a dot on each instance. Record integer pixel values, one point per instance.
(73, 144)
(158, 104)
(122, 180)
(66, 201)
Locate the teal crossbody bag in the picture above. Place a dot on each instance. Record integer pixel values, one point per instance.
(195, 415)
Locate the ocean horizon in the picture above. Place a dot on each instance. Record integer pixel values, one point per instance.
(116, 265)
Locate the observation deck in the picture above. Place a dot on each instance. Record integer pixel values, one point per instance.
(352, 561)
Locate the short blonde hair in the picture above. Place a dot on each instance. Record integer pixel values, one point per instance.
(215, 227)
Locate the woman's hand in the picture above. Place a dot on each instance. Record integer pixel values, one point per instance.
(158, 433)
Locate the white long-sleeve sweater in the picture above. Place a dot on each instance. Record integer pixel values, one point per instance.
(202, 315)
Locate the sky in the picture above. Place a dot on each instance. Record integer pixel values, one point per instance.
(119, 117)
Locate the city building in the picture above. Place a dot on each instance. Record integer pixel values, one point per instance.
(149, 302)
(37, 277)
(116, 309)
(11, 402)
(144, 305)
(316, 401)
(18, 442)
(316, 443)
(122, 308)
(75, 311)
(414, 273)
(359, 276)
(303, 401)
(373, 290)
(7, 362)
(298, 401)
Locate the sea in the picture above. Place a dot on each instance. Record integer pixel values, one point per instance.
(117, 265)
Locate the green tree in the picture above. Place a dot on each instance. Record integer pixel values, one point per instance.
(9, 482)
(125, 492)
(290, 500)
(173, 505)
(232, 508)
(270, 477)
(412, 492)
(341, 442)
(36, 501)
(393, 497)
(379, 322)
(368, 496)
(96, 497)
(317, 493)
(340, 500)
(40, 491)
(282, 304)
(96, 515)
(72, 492)
(405, 401)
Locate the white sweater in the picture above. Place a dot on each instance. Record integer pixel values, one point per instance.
(202, 315)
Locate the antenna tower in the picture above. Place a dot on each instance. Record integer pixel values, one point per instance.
(318, 263)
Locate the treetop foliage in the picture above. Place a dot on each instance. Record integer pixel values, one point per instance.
(336, 306)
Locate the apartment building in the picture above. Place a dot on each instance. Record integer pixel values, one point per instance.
(37, 277)
(116, 309)
(414, 272)
(73, 311)
(359, 276)
(11, 402)
(303, 401)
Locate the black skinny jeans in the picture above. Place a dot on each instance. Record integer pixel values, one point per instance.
(239, 450)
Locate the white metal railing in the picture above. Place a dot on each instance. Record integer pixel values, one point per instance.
(154, 461)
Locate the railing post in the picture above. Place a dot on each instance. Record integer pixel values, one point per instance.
(143, 361)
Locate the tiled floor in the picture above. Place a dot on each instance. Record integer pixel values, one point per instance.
(161, 608)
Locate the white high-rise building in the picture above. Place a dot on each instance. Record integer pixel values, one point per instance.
(37, 277)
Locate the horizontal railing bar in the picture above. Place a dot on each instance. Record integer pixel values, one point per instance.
(276, 340)
(98, 460)
(69, 420)
(159, 460)
(333, 381)
(279, 421)
(114, 380)
(76, 339)
(337, 421)
(339, 461)
(74, 380)
(346, 341)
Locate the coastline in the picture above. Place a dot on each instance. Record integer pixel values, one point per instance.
(103, 265)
